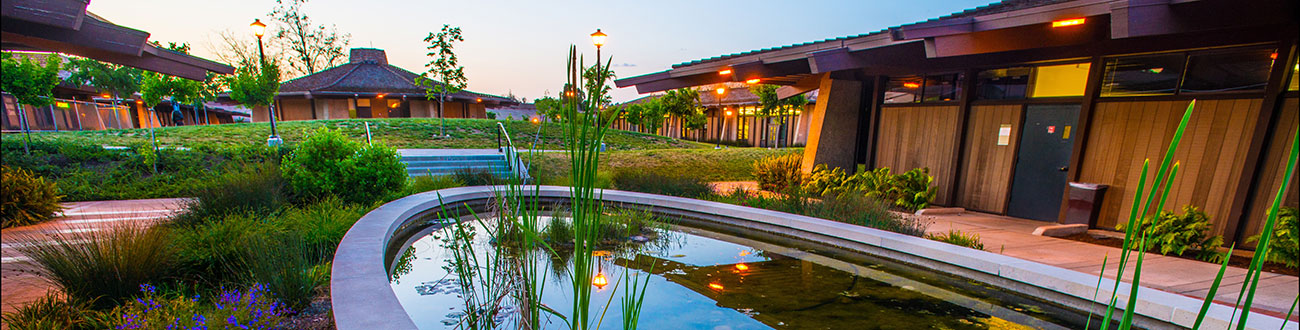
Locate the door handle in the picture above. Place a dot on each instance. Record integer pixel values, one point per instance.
(1064, 168)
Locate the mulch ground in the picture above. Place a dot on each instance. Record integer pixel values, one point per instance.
(1235, 261)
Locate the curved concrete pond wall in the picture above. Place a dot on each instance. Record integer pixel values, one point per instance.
(362, 297)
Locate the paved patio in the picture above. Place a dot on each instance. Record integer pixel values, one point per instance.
(1012, 237)
(21, 286)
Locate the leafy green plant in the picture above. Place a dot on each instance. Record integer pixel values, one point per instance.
(289, 266)
(824, 181)
(330, 164)
(957, 237)
(52, 311)
(652, 182)
(105, 266)
(912, 190)
(1172, 233)
(779, 172)
(1286, 236)
(25, 198)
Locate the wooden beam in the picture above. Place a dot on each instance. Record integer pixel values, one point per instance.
(1091, 92)
(966, 97)
(1259, 140)
(65, 14)
(807, 84)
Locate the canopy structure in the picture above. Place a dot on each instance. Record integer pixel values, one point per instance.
(64, 26)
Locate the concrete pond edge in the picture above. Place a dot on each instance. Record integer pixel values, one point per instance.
(362, 297)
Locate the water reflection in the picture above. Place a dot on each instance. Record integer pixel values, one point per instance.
(705, 280)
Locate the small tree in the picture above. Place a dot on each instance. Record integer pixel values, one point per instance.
(311, 48)
(31, 83)
(549, 108)
(684, 103)
(443, 67)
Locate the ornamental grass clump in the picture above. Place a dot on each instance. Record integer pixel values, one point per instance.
(779, 172)
(957, 237)
(26, 199)
(53, 311)
(654, 182)
(104, 265)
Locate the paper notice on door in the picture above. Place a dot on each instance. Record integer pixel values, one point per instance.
(1004, 134)
(1065, 133)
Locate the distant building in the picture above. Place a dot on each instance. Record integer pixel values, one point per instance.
(734, 118)
(368, 87)
(521, 111)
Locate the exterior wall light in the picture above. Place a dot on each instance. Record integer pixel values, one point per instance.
(1068, 22)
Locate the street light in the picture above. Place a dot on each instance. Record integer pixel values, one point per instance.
(717, 144)
(259, 30)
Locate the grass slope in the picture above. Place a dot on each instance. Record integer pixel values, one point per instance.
(398, 133)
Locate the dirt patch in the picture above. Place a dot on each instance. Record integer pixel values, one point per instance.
(317, 316)
(1235, 261)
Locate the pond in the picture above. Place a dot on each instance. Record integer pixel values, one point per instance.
(710, 280)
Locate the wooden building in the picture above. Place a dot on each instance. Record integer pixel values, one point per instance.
(1007, 103)
(368, 87)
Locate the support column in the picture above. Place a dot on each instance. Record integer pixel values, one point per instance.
(833, 130)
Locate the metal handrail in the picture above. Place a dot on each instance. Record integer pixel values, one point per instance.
(511, 153)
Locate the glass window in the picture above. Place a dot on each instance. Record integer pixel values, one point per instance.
(1060, 80)
(941, 88)
(903, 90)
(1003, 84)
(1228, 72)
(1143, 75)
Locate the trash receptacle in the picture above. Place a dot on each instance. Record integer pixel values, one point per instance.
(1083, 203)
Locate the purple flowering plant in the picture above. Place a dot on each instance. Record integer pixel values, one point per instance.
(253, 308)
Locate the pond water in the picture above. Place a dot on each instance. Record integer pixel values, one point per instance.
(708, 280)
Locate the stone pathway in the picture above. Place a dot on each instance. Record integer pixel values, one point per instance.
(1012, 237)
(20, 286)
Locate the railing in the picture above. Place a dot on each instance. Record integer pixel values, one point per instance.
(64, 115)
(511, 153)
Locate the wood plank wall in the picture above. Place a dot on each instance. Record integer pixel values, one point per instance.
(1124, 133)
(1279, 148)
(920, 136)
(986, 170)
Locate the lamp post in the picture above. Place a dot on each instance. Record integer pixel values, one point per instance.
(598, 39)
(259, 30)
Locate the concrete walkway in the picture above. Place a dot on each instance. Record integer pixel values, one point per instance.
(21, 286)
(1012, 237)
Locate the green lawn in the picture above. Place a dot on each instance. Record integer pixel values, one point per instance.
(730, 164)
(398, 133)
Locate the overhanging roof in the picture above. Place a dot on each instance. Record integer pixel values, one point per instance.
(64, 26)
(1002, 27)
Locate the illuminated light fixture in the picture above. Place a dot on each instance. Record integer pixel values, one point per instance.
(139, 101)
(479, 100)
(598, 38)
(1068, 22)
(535, 120)
(105, 96)
(912, 85)
(1272, 56)
(259, 29)
(742, 267)
(715, 286)
(379, 96)
(62, 104)
(722, 90)
(728, 113)
(724, 72)
(753, 81)
(600, 281)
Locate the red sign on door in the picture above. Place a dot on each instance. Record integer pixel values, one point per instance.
(1051, 129)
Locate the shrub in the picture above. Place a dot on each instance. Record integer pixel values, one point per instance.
(53, 312)
(1284, 248)
(205, 248)
(1172, 233)
(683, 185)
(957, 237)
(476, 177)
(911, 190)
(105, 266)
(825, 181)
(25, 198)
(254, 308)
(323, 223)
(289, 266)
(425, 183)
(779, 172)
(256, 188)
(330, 164)
(864, 211)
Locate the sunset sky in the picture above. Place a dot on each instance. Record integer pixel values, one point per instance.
(520, 46)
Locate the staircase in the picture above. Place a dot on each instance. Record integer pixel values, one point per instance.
(421, 165)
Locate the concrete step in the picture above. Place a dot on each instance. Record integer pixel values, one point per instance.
(499, 174)
(453, 157)
(455, 163)
(450, 171)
